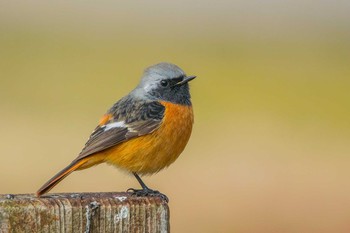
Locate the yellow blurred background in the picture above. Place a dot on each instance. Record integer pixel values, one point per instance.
(271, 142)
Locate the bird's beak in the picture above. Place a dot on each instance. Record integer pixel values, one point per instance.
(185, 80)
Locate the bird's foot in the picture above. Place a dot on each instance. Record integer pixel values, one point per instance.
(147, 192)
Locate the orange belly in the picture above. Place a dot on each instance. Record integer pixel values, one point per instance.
(152, 152)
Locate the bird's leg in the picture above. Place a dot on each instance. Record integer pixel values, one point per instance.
(145, 191)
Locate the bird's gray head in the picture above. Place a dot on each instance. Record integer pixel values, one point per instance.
(167, 82)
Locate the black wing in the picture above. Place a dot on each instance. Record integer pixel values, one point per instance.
(128, 119)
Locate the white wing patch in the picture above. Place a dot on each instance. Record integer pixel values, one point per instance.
(118, 124)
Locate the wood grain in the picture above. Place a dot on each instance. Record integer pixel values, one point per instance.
(83, 212)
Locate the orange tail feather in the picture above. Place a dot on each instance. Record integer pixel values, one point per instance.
(59, 176)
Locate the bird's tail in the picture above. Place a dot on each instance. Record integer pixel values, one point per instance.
(60, 176)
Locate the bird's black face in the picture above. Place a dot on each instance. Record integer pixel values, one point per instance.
(175, 90)
(166, 82)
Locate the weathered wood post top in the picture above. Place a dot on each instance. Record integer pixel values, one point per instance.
(83, 212)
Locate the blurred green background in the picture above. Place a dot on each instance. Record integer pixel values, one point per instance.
(271, 142)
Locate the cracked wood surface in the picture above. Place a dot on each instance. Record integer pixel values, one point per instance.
(83, 212)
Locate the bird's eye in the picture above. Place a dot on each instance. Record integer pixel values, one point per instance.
(164, 83)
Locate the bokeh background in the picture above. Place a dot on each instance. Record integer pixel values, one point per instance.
(271, 142)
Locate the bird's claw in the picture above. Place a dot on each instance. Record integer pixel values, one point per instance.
(147, 193)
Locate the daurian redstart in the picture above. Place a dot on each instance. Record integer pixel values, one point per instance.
(143, 132)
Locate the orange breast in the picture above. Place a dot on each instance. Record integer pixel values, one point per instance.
(152, 152)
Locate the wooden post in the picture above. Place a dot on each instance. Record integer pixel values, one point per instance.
(83, 212)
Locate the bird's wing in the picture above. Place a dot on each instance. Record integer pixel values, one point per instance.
(125, 120)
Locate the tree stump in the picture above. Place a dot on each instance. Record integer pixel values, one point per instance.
(83, 212)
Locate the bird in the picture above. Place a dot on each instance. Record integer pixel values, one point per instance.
(142, 133)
